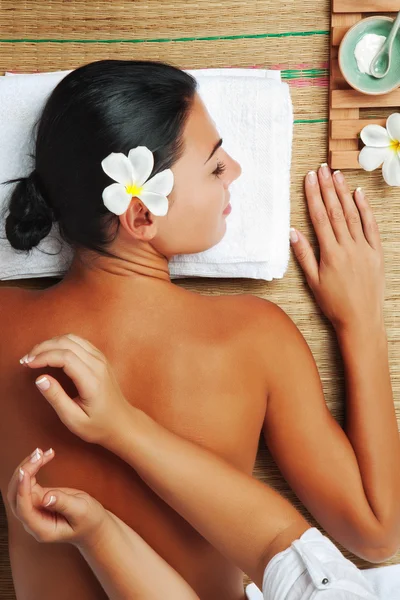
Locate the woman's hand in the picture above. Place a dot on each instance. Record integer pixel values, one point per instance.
(95, 414)
(53, 515)
(349, 281)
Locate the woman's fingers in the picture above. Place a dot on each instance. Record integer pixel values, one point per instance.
(369, 224)
(63, 342)
(337, 217)
(70, 412)
(80, 373)
(86, 345)
(349, 207)
(305, 256)
(72, 506)
(34, 506)
(318, 213)
(333, 206)
(29, 467)
(36, 518)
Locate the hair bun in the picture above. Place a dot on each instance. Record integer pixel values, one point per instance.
(30, 217)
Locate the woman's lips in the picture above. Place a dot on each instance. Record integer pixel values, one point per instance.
(228, 207)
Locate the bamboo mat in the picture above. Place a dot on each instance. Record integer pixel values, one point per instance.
(40, 35)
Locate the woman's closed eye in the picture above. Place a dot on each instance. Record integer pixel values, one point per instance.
(220, 169)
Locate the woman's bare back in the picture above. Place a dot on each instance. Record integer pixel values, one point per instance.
(191, 362)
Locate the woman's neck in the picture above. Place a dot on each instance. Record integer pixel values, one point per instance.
(134, 262)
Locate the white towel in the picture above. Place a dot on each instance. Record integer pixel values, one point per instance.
(384, 580)
(253, 113)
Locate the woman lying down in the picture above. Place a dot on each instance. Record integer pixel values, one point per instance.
(131, 168)
(248, 522)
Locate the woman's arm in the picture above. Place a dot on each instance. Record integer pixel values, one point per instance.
(128, 568)
(349, 480)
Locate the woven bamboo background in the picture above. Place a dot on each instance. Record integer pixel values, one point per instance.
(40, 35)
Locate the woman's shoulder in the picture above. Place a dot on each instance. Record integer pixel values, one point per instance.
(270, 333)
(257, 317)
(256, 310)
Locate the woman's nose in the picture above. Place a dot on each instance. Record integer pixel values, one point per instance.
(235, 170)
(238, 170)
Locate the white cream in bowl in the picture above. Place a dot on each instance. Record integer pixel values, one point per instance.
(366, 50)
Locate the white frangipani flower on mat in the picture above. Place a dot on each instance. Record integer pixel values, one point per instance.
(132, 172)
(382, 146)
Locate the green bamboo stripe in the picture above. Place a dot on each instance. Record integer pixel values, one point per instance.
(298, 121)
(306, 73)
(161, 40)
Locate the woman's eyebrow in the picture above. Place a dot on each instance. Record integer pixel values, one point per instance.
(217, 145)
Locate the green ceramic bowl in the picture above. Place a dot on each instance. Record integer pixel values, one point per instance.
(348, 64)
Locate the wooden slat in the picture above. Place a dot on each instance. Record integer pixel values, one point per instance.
(340, 145)
(354, 99)
(349, 6)
(337, 76)
(338, 34)
(336, 114)
(344, 159)
(350, 128)
(348, 19)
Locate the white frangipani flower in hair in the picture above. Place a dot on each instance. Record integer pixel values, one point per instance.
(131, 174)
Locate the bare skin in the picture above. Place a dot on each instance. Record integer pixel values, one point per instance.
(208, 370)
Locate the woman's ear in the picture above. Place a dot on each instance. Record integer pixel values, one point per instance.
(138, 221)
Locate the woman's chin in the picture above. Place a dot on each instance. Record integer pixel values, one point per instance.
(220, 234)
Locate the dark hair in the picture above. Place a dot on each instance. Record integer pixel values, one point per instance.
(102, 107)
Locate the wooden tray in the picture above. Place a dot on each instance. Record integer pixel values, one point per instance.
(345, 117)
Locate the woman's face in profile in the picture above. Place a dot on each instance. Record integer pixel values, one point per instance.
(196, 219)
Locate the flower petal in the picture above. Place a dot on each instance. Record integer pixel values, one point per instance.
(157, 204)
(375, 136)
(391, 169)
(118, 167)
(162, 183)
(116, 198)
(393, 126)
(372, 158)
(142, 161)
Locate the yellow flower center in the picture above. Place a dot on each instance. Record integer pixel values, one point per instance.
(133, 190)
(395, 145)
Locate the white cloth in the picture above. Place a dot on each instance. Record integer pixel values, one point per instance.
(314, 568)
(253, 113)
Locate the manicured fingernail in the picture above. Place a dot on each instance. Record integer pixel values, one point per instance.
(43, 384)
(36, 456)
(339, 176)
(325, 170)
(293, 235)
(48, 452)
(21, 474)
(26, 359)
(51, 501)
(312, 177)
(359, 191)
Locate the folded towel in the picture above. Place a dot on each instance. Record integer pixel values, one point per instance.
(253, 113)
(385, 581)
